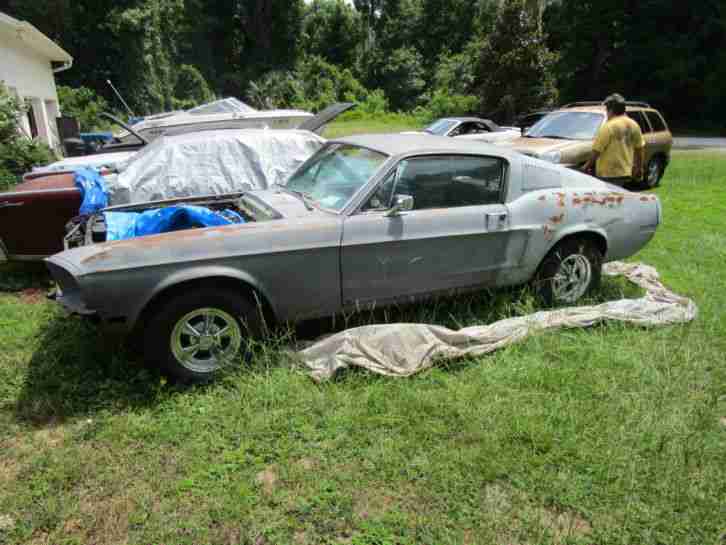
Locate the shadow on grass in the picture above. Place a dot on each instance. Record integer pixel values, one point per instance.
(77, 371)
(22, 276)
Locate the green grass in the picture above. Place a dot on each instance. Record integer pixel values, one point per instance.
(353, 123)
(612, 435)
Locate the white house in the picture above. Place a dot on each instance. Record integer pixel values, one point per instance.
(28, 62)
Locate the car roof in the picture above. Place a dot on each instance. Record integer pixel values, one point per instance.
(462, 119)
(405, 144)
(600, 109)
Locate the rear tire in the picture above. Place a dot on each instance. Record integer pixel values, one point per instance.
(653, 174)
(193, 336)
(572, 269)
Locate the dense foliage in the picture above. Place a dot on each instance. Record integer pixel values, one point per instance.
(18, 153)
(492, 57)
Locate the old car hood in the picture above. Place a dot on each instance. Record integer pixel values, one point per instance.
(45, 182)
(537, 146)
(289, 226)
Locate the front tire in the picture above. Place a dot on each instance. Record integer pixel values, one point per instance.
(572, 269)
(193, 336)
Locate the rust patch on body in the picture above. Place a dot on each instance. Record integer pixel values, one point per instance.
(558, 219)
(542, 198)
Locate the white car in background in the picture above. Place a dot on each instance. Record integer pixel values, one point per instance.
(470, 128)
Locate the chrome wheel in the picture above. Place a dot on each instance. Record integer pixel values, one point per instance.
(206, 339)
(572, 278)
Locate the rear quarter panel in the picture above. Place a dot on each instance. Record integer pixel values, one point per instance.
(581, 204)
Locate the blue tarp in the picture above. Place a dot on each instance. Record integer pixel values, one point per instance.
(123, 225)
(93, 191)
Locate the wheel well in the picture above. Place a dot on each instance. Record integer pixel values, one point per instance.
(661, 157)
(217, 282)
(596, 238)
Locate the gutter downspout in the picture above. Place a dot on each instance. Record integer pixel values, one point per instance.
(65, 66)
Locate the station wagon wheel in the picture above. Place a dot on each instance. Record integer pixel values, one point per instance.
(653, 173)
(570, 270)
(193, 335)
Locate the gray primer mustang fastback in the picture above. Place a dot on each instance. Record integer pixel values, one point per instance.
(344, 233)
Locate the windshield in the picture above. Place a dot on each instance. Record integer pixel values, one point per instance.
(335, 174)
(568, 125)
(440, 127)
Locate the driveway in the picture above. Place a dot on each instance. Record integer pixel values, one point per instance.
(688, 142)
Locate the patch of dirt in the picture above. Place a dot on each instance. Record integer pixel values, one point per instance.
(52, 436)
(108, 518)
(723, 421)
(32, 296)
(9, 470)
(7, 522)
(564, 525)
(371, 503)
(268, 479)
(300, 538)
(306, 464)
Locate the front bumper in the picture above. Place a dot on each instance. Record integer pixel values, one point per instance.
(71, 303)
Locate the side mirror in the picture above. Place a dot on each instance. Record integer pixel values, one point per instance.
(401, 203)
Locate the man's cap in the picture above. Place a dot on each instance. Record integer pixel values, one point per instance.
(615, 98)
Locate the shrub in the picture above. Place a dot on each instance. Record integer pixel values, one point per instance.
(83, 104)
(191, 88)
(18, 154)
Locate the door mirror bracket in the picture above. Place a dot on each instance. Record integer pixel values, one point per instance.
(401, 203)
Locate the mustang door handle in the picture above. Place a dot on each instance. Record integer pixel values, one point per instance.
(8, 204)
(496, 221)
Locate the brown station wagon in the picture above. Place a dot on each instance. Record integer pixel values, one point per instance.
(565, 136)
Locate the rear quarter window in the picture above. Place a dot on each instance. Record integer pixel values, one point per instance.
(639, 118)
(656, 121)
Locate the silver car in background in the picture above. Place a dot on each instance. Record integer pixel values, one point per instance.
(368, 220)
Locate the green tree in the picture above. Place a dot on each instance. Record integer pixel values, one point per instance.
(515, 68)
(83, 104)
(662, 51)
(190, 89)
(333, 30)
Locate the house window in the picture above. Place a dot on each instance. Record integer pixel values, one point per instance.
(32, 120)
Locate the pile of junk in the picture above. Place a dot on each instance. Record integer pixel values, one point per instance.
(183, 182)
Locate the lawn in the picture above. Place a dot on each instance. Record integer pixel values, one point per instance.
(612, 435)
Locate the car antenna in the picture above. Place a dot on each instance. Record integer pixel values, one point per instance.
(132, 114)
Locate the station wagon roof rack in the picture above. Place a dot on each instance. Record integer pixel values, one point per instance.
(599, 103)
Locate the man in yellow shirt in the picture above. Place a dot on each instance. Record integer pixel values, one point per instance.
(618, 151)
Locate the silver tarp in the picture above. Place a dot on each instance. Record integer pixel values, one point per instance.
(210, 163)
(401, 350)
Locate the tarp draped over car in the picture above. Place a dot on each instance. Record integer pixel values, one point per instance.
(211, 163)
(401, 350)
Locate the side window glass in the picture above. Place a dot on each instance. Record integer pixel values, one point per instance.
(461, 129)
(656, 121)
(639, 118)
(451, 181)
(477, 181)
